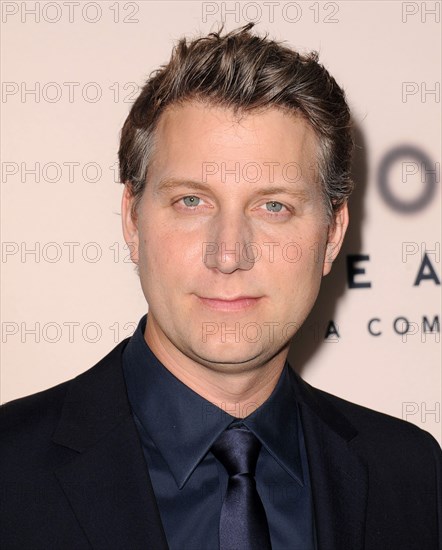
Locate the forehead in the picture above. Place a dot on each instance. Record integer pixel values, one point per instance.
(192, 135)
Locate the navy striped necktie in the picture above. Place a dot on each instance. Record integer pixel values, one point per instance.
(243, 522)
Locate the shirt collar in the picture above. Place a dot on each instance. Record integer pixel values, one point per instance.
(183, 425)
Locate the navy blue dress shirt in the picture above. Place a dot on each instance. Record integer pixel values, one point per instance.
(177, 427)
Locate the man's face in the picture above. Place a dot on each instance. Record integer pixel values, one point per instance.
(230, 210)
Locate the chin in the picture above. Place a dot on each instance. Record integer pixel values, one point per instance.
(228, 353)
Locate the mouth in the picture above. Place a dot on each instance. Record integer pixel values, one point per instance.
(238, 303)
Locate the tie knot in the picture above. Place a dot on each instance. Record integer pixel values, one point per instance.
(237, 449)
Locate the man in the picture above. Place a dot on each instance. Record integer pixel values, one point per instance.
(195, 433)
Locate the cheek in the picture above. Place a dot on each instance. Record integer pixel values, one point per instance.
(299, 274)
(297, 286)
(167, 255)
(304, 254)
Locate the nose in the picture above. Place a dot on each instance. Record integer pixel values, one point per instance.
(230, 246)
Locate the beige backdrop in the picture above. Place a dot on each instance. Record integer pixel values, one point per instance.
(70, 71)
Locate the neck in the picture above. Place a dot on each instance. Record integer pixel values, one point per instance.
(237, 392)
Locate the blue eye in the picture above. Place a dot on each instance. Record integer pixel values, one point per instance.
(274, 206)
(191, 200)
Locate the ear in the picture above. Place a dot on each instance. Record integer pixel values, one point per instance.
(335, 238)
(130, 224)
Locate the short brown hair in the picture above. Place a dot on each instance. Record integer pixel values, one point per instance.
(243, 72)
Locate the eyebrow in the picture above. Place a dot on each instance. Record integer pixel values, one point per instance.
(170, 184)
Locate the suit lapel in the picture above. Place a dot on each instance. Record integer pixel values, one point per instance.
(107, 483)
(339, 478)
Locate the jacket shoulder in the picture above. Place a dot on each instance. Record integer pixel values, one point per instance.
(35, 411)
(385, 431)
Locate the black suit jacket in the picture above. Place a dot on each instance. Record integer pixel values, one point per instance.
(73, 474)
